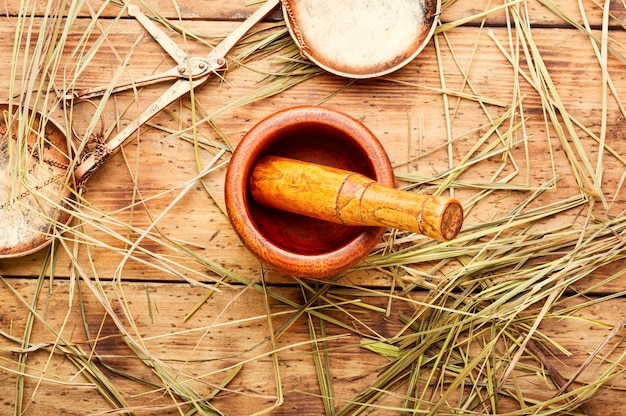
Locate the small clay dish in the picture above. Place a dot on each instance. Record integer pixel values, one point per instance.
(361, 38)
(34, 195)
(292, 243)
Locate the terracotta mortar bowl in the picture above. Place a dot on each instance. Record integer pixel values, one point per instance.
(298, 193)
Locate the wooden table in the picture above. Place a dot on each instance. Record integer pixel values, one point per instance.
(115, 303)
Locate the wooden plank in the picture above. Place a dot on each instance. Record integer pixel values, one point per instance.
(415, 125)
(231, 329)
(224, 10)
(454, 10)
(406, 110)
(541, 13)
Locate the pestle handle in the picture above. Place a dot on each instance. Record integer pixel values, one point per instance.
(350, 198)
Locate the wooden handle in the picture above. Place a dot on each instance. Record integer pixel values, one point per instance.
(350, 198)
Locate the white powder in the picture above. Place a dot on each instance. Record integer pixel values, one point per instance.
(360, 34)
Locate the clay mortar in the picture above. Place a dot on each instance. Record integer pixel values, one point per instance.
(293, 243)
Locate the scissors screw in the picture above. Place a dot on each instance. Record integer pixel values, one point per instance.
(182, 69)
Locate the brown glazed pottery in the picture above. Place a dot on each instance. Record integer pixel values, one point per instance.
(292, 243)
(361, 38)
(34, 195)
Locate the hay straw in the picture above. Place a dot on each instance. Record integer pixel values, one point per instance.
(468, 315)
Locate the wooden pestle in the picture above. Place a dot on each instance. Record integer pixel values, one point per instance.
(349, 198)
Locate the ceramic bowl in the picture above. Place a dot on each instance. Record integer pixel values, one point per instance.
(292, 243)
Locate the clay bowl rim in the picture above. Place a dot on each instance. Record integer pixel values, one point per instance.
(64, 216)
(337, 64)
(252, 147)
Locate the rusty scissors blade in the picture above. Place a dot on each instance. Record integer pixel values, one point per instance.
(190, 73)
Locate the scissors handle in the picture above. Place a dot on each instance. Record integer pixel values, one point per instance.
(213, 61)
(97, 158)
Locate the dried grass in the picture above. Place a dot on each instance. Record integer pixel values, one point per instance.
(468, 314)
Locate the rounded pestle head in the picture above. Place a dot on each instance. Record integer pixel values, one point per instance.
(451, 220)
(441, 218)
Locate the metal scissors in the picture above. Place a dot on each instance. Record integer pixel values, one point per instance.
(189, 73)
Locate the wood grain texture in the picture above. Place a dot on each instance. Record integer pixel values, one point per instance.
(345, 197)
(406, 110)
(229, 329)
(412, 130)
(453, 10)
